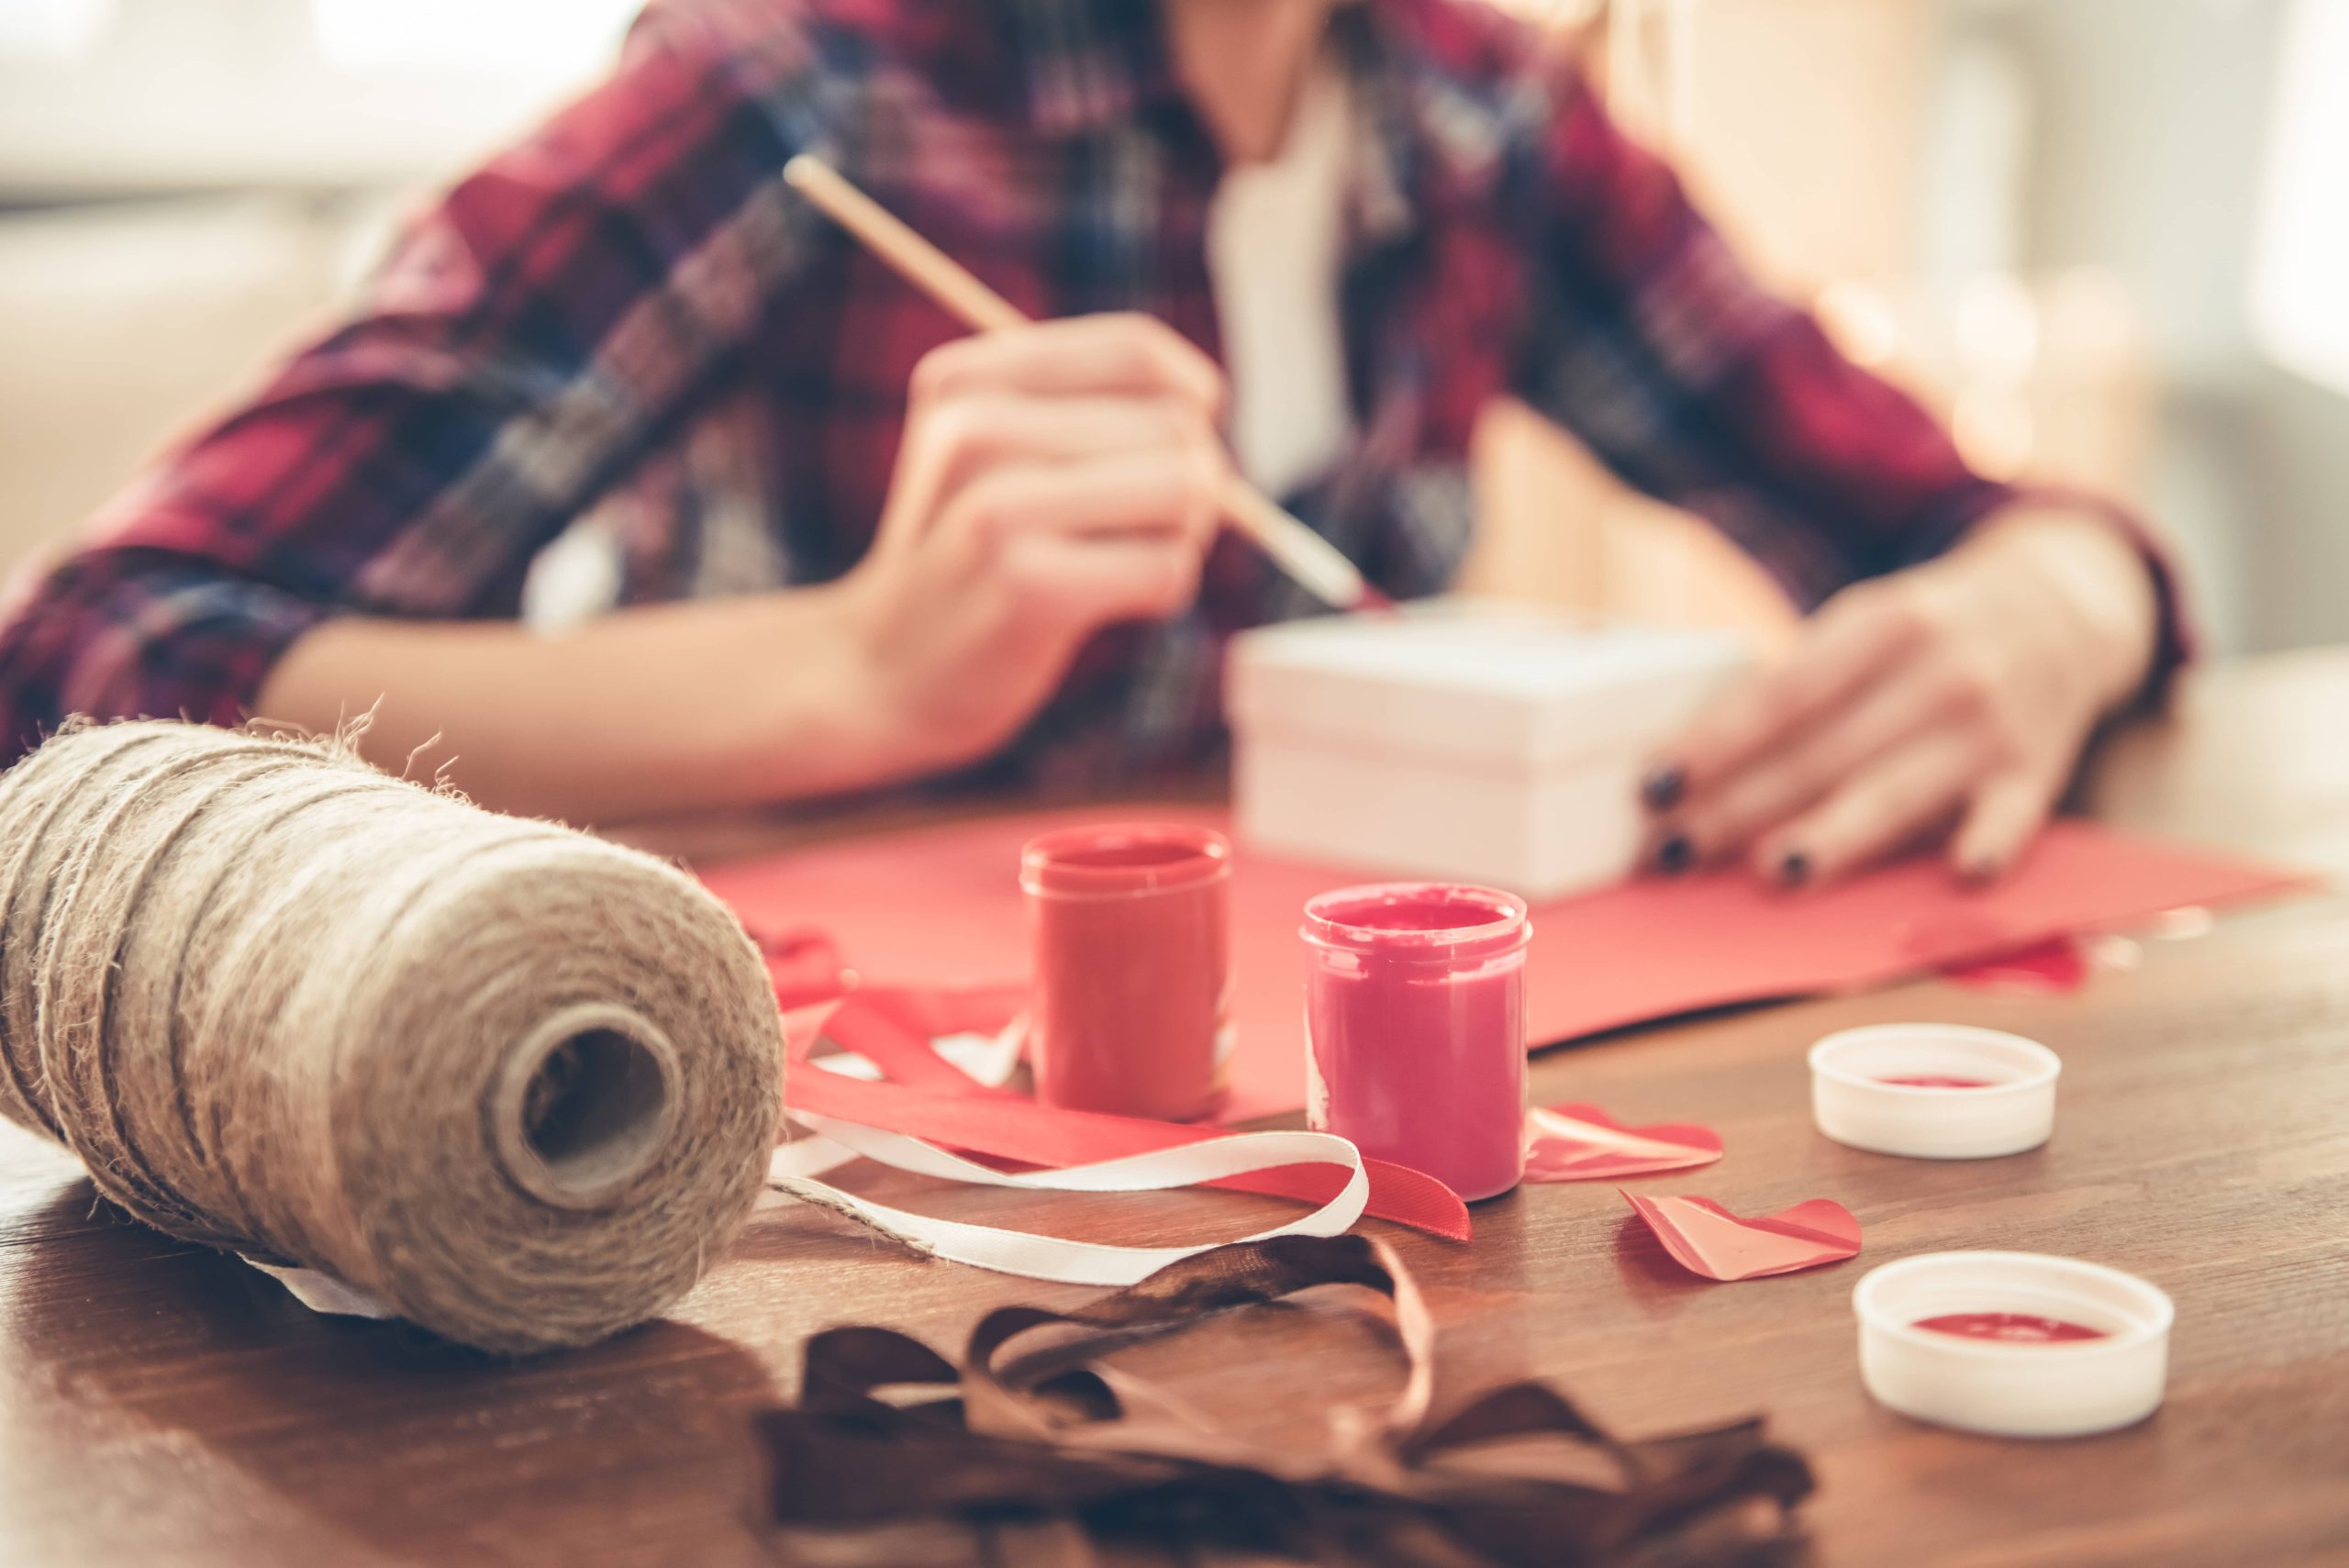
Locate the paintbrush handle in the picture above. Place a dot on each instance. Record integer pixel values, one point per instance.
(1316, 565)
(1305, 555)
(913, 258)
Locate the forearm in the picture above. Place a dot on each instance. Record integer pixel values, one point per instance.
(2086, 565)
(652, 711)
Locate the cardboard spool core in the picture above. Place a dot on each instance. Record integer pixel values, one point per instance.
(586, 1103)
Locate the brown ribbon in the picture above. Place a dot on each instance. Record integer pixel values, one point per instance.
(1051, 1456)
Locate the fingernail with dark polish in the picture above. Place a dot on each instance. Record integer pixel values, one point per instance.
(1672, 856)
(1662, 788)
(1794, 869)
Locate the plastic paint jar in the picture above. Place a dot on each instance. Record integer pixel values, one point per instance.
(1131, 1008)
(1415, 1028)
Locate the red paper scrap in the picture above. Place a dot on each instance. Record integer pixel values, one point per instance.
(941, 907)
(2057, 966)
(1707, 1240)
(1583, 1143)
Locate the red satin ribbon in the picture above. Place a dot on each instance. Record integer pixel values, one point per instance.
(924, 1095)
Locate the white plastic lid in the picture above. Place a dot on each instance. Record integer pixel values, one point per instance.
(1934, 1091)
(2009, 1388)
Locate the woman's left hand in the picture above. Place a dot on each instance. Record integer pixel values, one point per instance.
(1947, 702)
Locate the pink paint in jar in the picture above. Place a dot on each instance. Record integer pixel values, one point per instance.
(1130, 1010)
(1415, 1028)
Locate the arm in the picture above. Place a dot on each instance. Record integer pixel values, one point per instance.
(1972, 634)
(622, 718)
(1052, 480)
(1651, 342)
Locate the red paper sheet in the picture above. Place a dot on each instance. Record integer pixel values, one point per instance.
(940, 907)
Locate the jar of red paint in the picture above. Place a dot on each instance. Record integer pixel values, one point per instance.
(1130, 1010)
(1415, 1028)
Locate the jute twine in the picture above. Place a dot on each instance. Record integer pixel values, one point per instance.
(518, 1084)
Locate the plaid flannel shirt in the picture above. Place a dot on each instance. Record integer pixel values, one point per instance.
(628, 323)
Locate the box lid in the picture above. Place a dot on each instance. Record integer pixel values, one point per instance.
(1475, 680)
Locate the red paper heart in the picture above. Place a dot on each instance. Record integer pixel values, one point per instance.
(1583, 1143)
(1707, 1240)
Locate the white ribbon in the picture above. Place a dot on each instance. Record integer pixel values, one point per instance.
(323, 1291)
(1053, 1257)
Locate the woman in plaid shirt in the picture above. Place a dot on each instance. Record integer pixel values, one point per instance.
(853, 551)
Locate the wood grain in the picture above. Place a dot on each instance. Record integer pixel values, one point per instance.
(160, 1403)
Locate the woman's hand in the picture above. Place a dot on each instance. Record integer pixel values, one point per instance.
(1947, 702)
(1052, 479)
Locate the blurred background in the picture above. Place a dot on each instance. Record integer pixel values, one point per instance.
(2109, 238)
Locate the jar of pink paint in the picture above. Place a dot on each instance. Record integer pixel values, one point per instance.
(1415, 1028)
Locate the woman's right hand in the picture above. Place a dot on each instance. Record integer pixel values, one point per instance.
(1052, 480)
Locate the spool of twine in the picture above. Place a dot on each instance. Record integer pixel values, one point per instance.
(518, 1084)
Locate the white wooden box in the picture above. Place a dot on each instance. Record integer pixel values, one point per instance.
(1461, 739)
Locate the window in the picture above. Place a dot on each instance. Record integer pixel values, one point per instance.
(552, 41)
(58, 29)
(2299, 304)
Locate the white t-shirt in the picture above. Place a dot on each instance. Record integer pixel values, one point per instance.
(1276, 244)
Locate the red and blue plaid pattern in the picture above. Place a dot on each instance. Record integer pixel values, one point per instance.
(629, 319)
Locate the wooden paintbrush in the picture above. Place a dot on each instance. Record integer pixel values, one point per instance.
(1305, 555)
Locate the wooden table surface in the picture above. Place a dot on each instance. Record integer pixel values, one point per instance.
(161, 1404)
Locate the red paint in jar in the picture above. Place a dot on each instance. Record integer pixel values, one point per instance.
(2010, 1327)
(1939, 1081)
(1415, 1028)
(1130, 1011)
